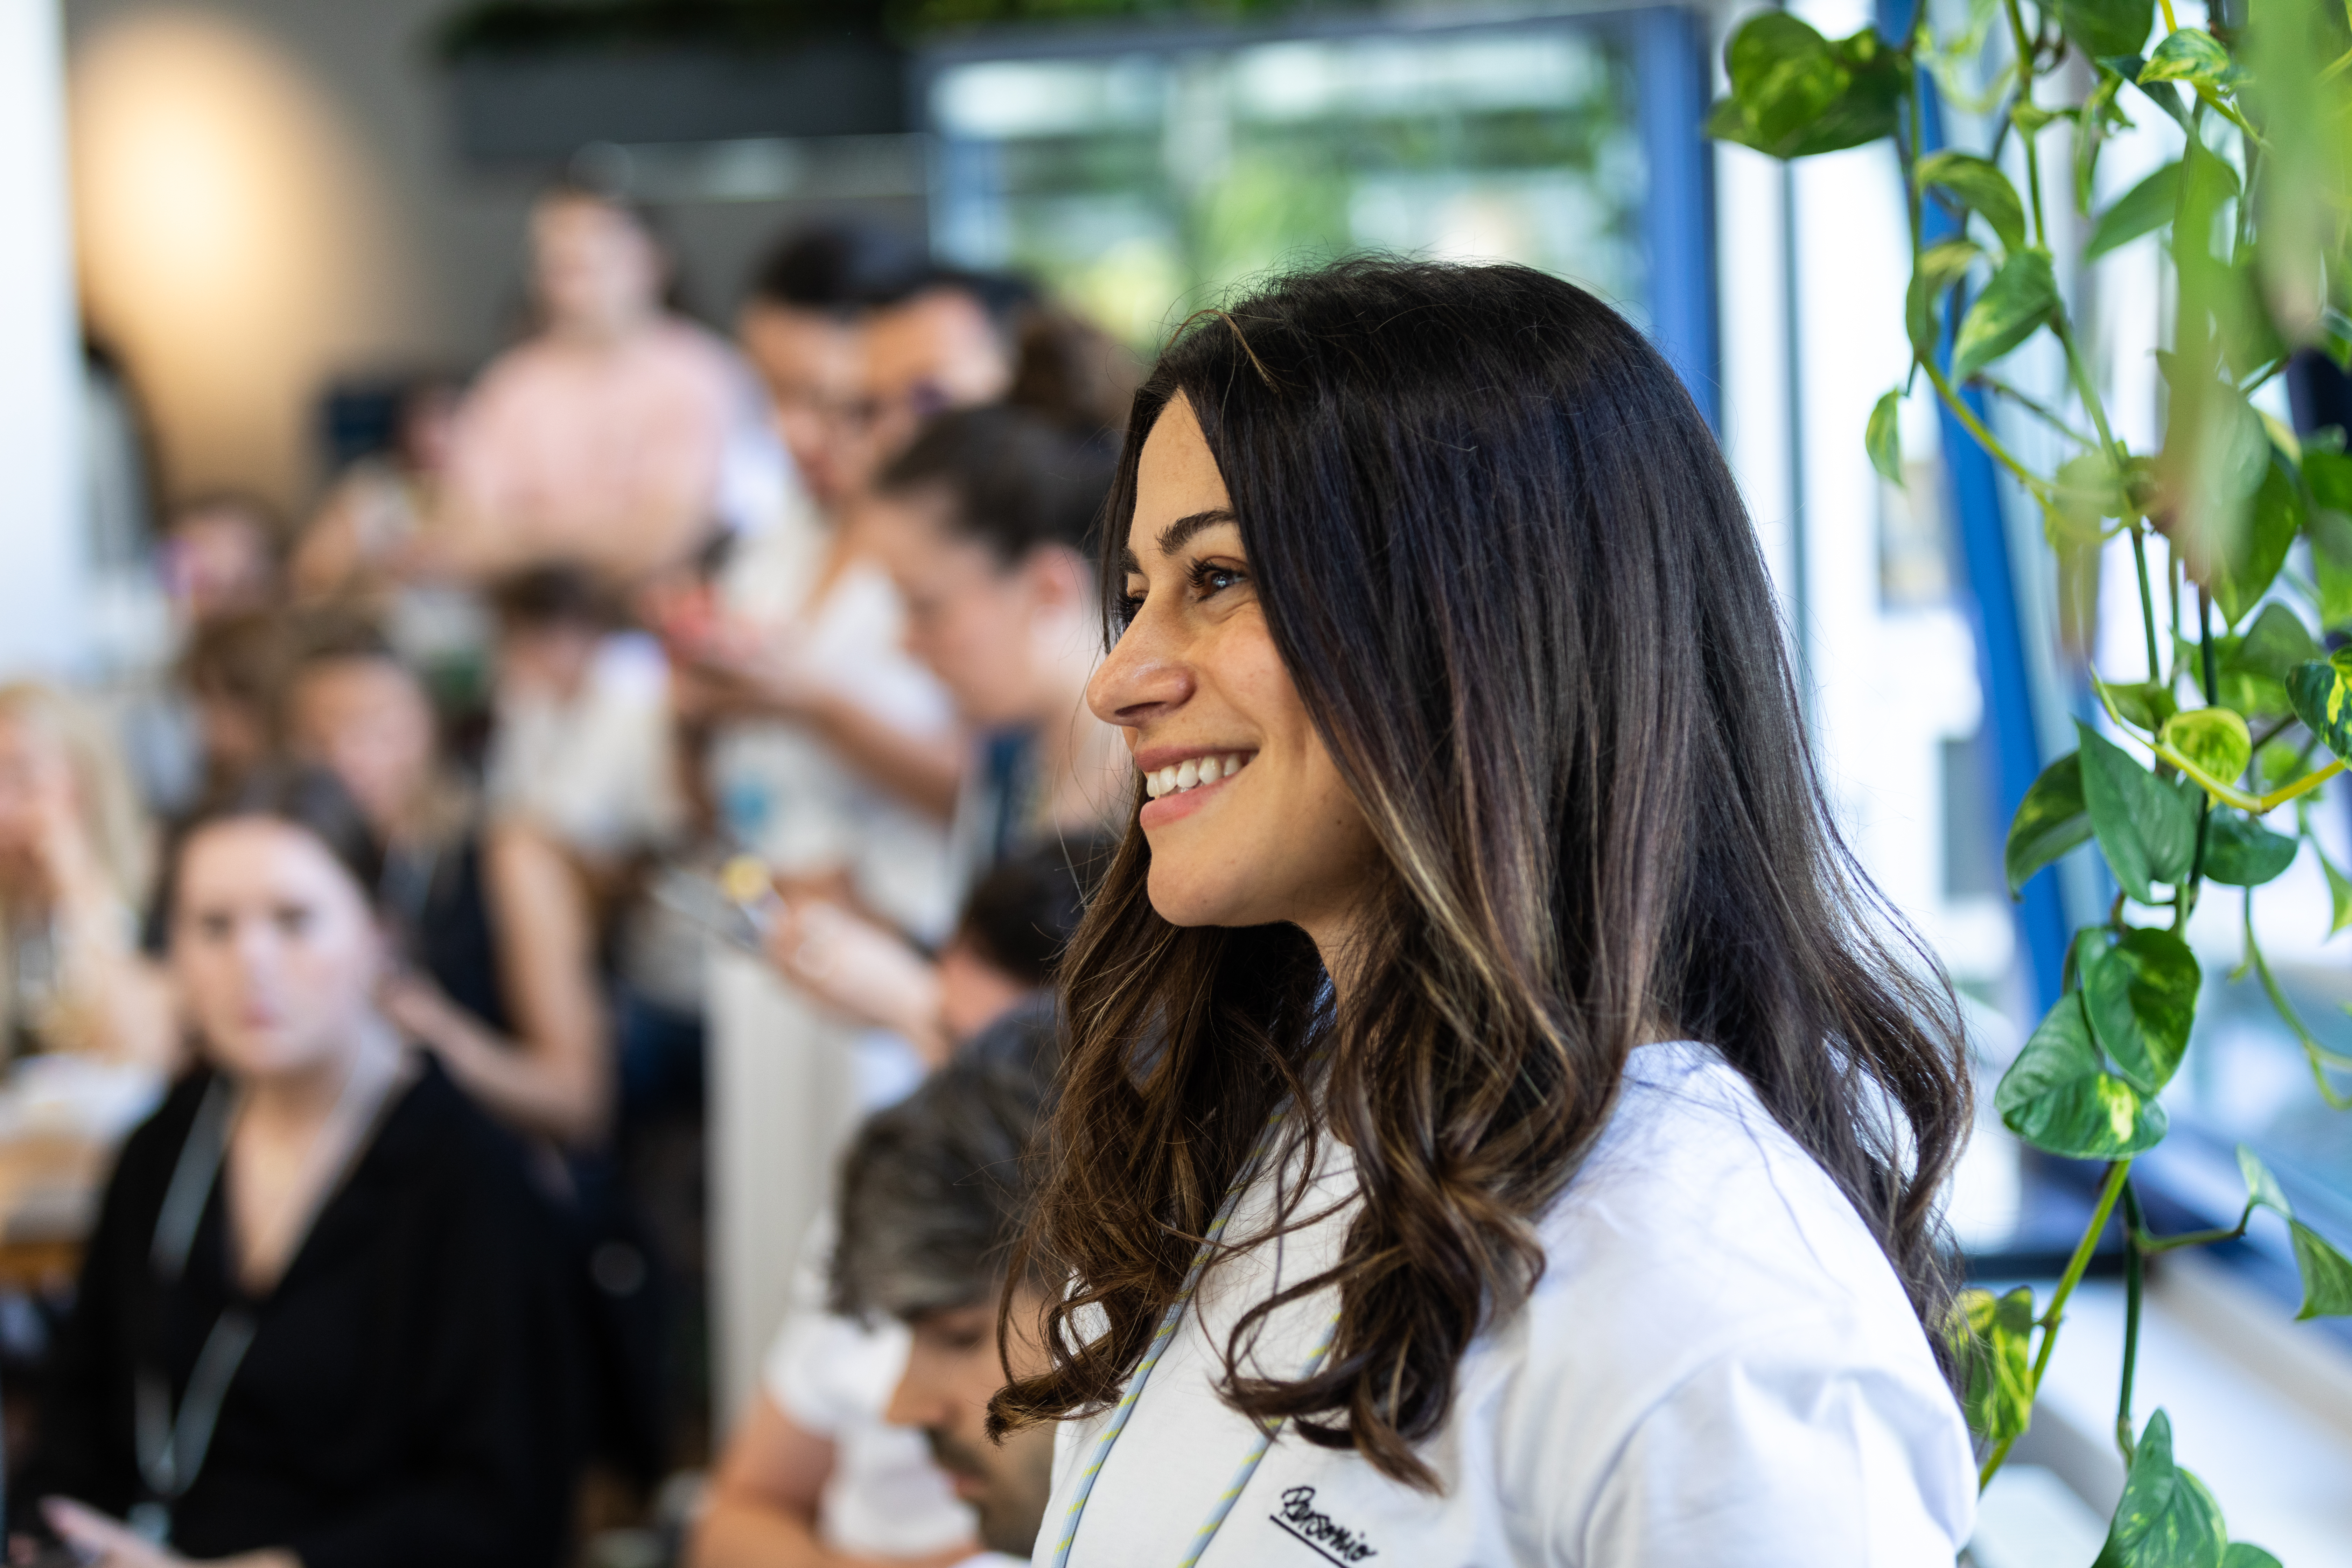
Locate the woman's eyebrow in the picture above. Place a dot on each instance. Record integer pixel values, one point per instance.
(1172, 537)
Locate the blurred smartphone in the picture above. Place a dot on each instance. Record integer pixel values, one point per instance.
(699, 898)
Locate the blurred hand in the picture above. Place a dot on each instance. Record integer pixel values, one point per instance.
(418, 1006)
(858, 969)
(104, 1541)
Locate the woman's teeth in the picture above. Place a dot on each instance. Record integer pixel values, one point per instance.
(1191, 773)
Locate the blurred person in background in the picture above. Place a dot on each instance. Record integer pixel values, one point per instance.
(817, 1474)
(959, 339)
(805, 329)
(954, 340)
(934, 1195)
(501, 985)
(368, 546)
(500, 929)
(233, 672)
(998, 962)
(75, 853)
(220, 557)
(582, 728)
(985, 524)
(319, 1323)
(623, 436)
(359, 538)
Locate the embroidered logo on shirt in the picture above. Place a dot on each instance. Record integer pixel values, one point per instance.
(1319, 1530)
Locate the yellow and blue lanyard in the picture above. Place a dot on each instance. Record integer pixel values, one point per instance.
(1169, 1322)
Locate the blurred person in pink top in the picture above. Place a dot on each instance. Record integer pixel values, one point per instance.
(622, 437)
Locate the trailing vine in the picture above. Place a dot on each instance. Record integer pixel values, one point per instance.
(2240, 713)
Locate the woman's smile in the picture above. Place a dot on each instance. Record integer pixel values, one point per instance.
(1181, 780)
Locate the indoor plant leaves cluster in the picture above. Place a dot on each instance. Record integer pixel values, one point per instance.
(2205, 773)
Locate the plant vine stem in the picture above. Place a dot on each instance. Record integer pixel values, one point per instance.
(2034, 484)
(2146, 603)
(2134, 1272)
(2025, 56)
(2111, 1189)
(2227, 794)
(2040, 411)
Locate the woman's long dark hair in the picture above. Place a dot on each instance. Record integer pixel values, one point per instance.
(1512, 578)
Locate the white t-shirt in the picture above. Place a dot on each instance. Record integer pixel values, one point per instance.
(1717, 1368)
(834, 1377)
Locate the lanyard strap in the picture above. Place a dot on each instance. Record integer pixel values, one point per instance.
(1169, 1321)
(172, 1447)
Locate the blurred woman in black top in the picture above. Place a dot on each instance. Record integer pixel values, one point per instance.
(322, 1321)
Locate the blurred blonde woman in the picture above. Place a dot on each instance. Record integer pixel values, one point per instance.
(76, 852)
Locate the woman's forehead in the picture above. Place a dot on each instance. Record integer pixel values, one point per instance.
(1179, 491)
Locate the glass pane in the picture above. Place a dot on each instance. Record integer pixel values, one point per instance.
(1143, 182)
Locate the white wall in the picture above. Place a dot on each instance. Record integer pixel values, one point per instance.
(40, 358)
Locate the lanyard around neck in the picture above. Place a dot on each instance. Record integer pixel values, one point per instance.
(172, 1444)
(1169, 1321)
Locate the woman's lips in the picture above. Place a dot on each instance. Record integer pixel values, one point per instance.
(1170, 808)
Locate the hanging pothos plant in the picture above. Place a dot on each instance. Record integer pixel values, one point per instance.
(2240, 713)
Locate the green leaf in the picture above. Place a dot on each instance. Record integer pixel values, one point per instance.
(2326, 1274)
(2274, 645)
(2020, 297)
(2050, 821)
(1981, 188)
(2057, 1097)
(2140, 996)
(1794, 93)
(2167, 1519)
(2090, 489)
(2241, 853)
(2215, 739)
(2262, 1187)
(2243, 1555)
(1939, 266)
(2146, 832)
(2191, 55)
(2146, 703)
(1998, 1357)
(2322, 694)
(2247, 569)
(2144, 209)
(2108, 27)
(1883, 438)
(2339, 896)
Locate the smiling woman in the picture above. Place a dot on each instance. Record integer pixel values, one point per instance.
(1491, 1132)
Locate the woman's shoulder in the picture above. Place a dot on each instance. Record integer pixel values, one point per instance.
(436, 1138)
(1709, 1292)
(1697, 1226)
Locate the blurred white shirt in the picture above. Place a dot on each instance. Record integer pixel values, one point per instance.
(834, 1377)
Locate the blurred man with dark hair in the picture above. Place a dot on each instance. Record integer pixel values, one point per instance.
(934, 1192)
(802, 328)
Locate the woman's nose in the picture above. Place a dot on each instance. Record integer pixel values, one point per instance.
(1144, 676)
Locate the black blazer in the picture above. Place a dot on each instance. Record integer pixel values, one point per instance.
(410, 1393)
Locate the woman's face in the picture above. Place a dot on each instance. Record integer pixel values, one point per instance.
(597, 272)
(274, 946)
(366, 720)
(985, 629)
(1195, 683)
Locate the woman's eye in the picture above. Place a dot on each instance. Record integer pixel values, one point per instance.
(1210, 579)
(214, 928)
(293, 919)
(1128, 606)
